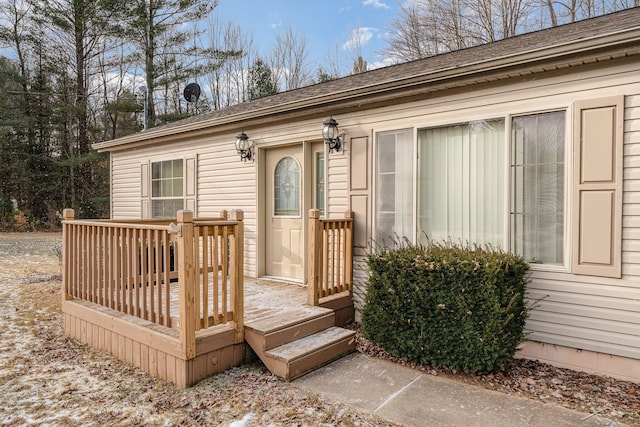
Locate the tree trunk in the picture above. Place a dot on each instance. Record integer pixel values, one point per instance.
(149, 67)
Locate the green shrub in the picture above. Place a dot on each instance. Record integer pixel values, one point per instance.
(446, 305)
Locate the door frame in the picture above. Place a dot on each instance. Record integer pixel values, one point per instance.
(308, 149)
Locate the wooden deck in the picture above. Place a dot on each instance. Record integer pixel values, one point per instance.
(170, 297)
(277, 321)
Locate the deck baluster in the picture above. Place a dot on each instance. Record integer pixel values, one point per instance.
(330, 263)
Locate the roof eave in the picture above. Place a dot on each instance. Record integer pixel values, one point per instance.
(571, 50)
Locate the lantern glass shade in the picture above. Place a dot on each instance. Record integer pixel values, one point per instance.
(242, 143)
(330, 130)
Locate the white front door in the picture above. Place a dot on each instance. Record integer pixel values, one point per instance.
(284, 207)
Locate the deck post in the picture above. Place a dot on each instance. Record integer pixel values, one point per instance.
(314, 254)
(348, 251)
(238, 275)
(186, 284)
(67, 239)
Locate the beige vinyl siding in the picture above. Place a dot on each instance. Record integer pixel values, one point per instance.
(225, 182)
(585, 312)
(631, 190)
(222, 182)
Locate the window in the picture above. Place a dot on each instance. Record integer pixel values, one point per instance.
(461, 183)
(394, 186)
(537, 187)
(319, 182)
(462, 178)
(167, 179)
(287, 187)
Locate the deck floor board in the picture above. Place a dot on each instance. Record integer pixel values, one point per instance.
(268, 304)
(263, 299)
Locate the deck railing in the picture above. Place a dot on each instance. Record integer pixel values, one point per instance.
(140, 267)
(330, 264)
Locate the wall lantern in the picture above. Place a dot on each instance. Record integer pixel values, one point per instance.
(243, 147)
(330, 134)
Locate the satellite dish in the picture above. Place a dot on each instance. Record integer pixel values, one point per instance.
(191, 92)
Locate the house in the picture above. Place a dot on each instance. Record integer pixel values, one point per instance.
(531, 144)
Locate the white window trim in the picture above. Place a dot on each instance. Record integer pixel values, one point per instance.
(150, 181)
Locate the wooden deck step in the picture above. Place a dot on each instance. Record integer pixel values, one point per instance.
(298, 357)
(281, 328)
(295, 340)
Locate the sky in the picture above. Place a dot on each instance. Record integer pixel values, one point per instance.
(328, 25)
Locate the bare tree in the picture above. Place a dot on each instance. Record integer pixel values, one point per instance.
(290, 60)
(333, 61)
(413, 33)
(242, 53)
(496, 20)
(429, 27)
(548, 5)
(232, 54)
(355, 46)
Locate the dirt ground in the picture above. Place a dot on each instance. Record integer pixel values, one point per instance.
(48, 379)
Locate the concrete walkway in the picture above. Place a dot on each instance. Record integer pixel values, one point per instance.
(409, 397)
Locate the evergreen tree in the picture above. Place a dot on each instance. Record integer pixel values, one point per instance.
(157, 28)
(359, 66)
(74, 33)
(261, 80)
(12, 146)
(322, 75)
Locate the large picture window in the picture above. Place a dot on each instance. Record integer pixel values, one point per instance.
(167, 189)
(463, 174)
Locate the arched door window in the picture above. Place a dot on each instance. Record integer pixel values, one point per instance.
(286, 191)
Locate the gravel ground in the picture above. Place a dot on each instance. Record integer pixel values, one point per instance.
(48, 379)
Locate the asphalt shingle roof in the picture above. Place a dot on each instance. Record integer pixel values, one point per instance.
(421, 69)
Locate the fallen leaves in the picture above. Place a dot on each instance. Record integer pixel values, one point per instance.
(527, 378)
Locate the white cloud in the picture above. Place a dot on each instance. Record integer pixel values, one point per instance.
(375, 3)
(275, 20)
(359, 37)
(383, 63)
